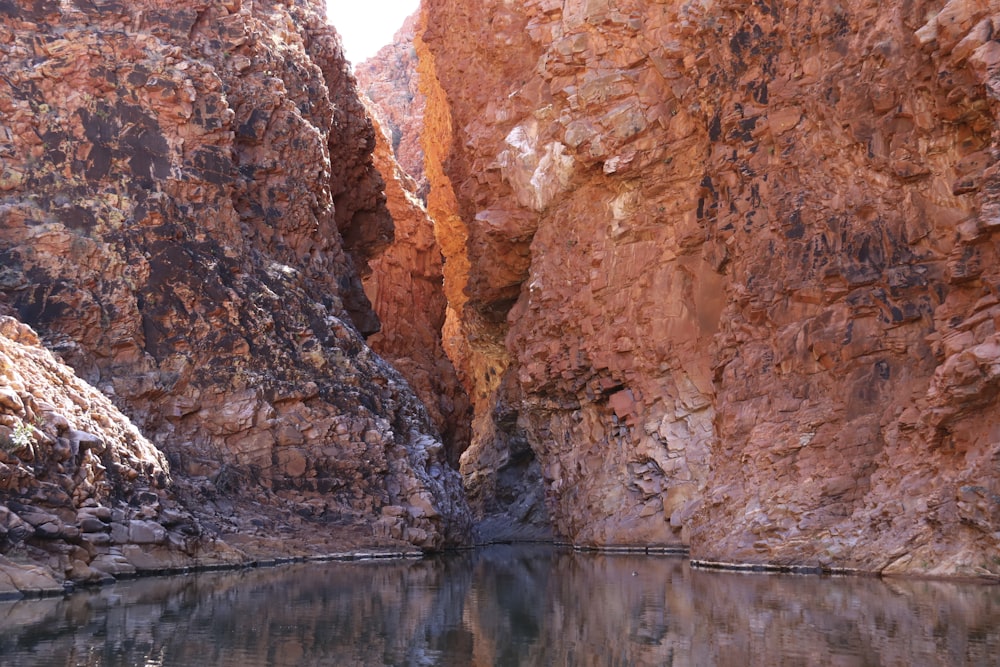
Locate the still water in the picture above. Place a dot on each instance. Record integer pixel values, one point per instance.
(513, 605)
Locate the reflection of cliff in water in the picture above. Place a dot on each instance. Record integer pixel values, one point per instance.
(352, 613)
(508, 606)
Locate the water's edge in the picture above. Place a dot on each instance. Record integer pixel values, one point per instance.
(679, 550)
(506, 604)
(69, 587)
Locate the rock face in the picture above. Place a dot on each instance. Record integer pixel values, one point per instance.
(405, 287)
(87, 498)
(390, 80)
(186, 192)
(79, 482)
(729, 269)
(504, 482)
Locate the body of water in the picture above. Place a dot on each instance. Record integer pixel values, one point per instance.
(507, 605)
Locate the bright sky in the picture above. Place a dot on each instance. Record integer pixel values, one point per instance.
(368, 25)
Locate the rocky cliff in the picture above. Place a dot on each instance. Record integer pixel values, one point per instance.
(724, 273)
(188, 198)
(717, 274)
(405, 286)
(391, 81)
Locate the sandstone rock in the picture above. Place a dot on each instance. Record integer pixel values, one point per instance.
(45, 522)
(10, 400)
(92, 525)
(80, 571)
(81, 441)
(13, 529)
(99, 512)
(19, 579)
(112, 564)
(146, 532)
(405, 288)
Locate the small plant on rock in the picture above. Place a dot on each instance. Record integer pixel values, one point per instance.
(21, 438)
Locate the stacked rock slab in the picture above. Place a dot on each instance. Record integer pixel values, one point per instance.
(729, 268)
(186, 192)
(80, 485)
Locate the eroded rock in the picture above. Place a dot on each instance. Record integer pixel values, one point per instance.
(405, 288)
(390, 80)
(728, 269)
(187, 198)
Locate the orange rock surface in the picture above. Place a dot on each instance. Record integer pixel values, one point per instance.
(405, 287)
(716, 274)
(729, 268)
(390, 80)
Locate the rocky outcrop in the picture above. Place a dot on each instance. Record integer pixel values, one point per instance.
(86, 498)
(390, 80)
(502, 475)
(727, 268)
(186, 193)
(717, 274)
(80, 484)
(405, 288)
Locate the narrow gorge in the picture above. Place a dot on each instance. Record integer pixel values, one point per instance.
(705, 275)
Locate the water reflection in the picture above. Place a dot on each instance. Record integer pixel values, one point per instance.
(507, 606)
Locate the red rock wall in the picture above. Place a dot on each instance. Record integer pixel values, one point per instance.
(186, 193)
(390, 80)
(405, 287)
(728, 267)
(79, 484)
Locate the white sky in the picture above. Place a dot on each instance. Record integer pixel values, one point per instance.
(368, 25)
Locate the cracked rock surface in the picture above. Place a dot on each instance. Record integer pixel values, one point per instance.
(187, 201)
(729, 270)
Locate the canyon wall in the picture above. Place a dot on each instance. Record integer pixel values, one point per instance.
(405, 286)
(724, 273)
(502, 482)
(390, 80)
(188, 198)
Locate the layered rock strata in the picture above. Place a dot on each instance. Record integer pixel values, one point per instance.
(503, 481)
(728, 269)
(501, 473)
(187, 194)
